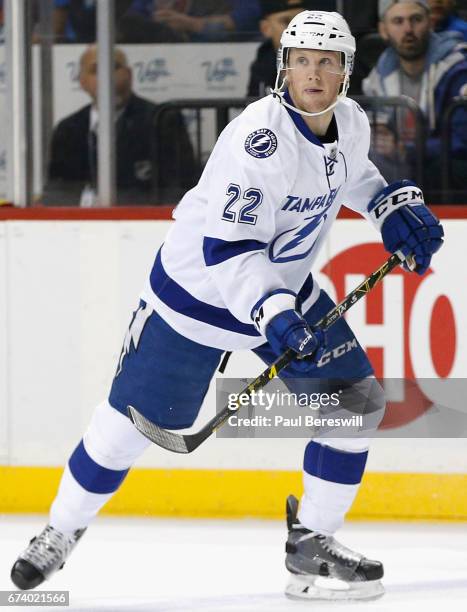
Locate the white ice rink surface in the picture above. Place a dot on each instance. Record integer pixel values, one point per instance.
(219, 566)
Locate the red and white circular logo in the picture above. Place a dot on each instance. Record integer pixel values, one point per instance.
(406, 324)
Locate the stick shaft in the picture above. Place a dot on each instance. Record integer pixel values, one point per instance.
(325, 323)
(189, 442)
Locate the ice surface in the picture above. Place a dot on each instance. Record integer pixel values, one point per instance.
(143, 565)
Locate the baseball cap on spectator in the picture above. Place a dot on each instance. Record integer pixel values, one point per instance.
(385, 5)
(268, 7)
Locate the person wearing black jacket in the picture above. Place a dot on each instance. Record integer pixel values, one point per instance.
(151, 168)
(275, 17)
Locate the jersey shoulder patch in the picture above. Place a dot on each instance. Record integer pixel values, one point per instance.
(259, 139)
(261, 143)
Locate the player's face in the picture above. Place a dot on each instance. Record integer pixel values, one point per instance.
(314, 78)
(274, 25)
(406, 27)
(122, 76)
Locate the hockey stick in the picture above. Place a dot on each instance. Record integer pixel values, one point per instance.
(186, 443)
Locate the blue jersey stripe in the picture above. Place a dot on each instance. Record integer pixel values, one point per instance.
(180, 300)
(217, 251)
(177, 298)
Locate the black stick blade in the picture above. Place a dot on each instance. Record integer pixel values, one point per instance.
(166, 439)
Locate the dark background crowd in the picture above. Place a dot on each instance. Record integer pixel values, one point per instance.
(416, 49)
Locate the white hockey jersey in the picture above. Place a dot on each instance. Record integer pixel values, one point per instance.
(257, 219)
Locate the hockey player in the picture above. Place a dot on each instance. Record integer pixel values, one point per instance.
(234, 273)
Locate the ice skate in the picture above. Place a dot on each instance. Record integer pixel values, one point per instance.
(45, 555)
(322, 568)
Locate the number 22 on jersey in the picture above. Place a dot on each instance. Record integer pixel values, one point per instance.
(251, 197)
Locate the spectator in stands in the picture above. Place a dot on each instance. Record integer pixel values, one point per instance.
(73, 162)
(74, 21)
(431, 69)
(387, 151)
(362, 17)
(202, 20)
(445, 19)
(369, 48)
(275, 17)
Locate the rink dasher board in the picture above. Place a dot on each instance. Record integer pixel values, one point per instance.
(76, 283)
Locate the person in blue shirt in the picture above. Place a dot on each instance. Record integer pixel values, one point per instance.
(430, 68)
(444, 17)
(202, 20)
(75, 20)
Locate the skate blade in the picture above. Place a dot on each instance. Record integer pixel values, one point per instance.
(331, 589)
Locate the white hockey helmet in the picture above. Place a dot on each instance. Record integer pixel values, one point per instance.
(322, 31)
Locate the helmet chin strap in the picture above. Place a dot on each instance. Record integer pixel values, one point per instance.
(280, 95)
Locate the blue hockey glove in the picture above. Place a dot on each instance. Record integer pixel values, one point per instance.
(406, 224)
(288, 329)
(276, 317)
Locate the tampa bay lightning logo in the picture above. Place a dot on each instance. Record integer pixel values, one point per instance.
(261, 144)
(298, 242)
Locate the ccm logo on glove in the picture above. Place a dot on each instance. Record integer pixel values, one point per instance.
(406, 224)
(305, 342)
(401, 193)
(289, 329)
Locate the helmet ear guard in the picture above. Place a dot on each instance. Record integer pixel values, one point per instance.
(320, 31)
